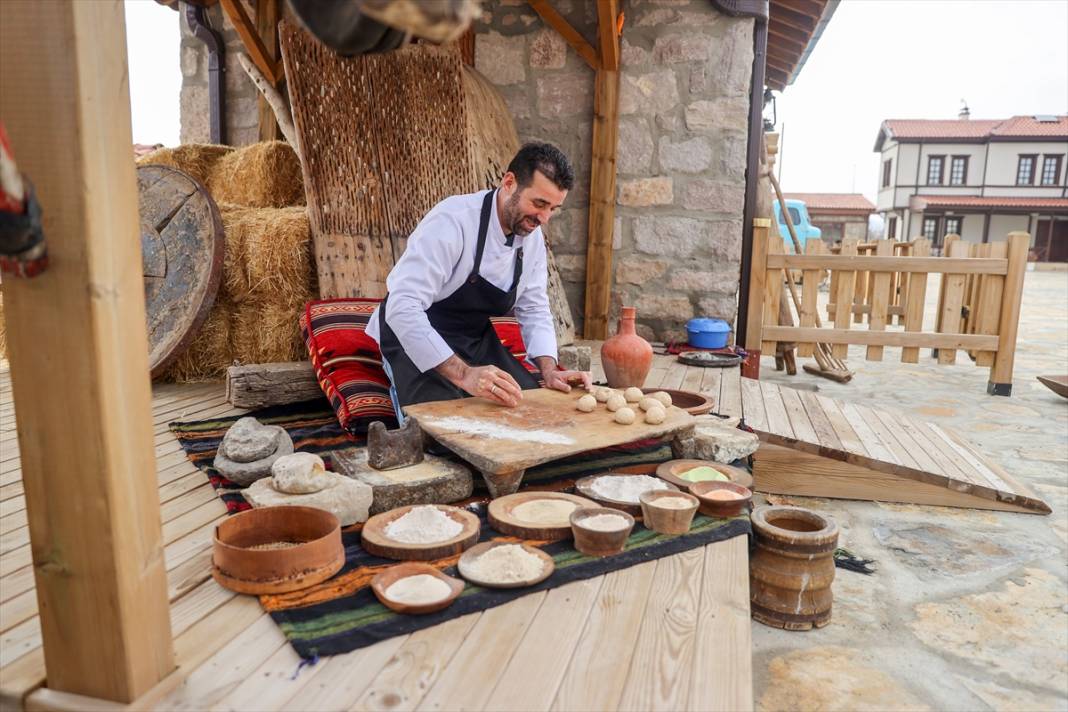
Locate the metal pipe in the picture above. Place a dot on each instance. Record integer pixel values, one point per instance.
(196, 21)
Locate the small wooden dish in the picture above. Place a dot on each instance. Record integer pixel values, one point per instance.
(692, 403)
(585, 487)
(469, 556)
(664, 520)
(315, 555)
(721, 509)
(375, 541)
(671, 471)
(503, 520)
(382, 581)
(594, 542)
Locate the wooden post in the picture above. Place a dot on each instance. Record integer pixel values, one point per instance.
(79, 354)
(755, 316)
(602, 205)
(1000, 383)
(268, 14)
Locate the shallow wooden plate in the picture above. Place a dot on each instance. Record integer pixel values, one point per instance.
(669, 472)
(474, 552)
(501, 518)
(382, 581)
(585, 486)
(1057, 384)
(375, 541)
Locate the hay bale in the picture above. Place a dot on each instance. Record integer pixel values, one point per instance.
(268, 331)
(268, 253)
(262, 175)
(196, 159)
(3, 331)
(209, 355)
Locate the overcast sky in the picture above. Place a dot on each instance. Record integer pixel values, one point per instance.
(915, 59)
(877, 59)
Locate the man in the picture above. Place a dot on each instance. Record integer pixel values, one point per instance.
(471, 258)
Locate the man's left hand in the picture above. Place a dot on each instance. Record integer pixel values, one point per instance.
(563, 380)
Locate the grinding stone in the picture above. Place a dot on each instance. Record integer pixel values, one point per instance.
(245, 473)
(248, 440)
(435, 480)
(347, 499)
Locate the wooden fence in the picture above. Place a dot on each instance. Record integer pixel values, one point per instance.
(978, 309)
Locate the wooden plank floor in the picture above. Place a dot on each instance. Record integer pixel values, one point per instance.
(669, 634)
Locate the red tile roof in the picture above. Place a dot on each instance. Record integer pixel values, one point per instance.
(974, 201)
(1016, 127)
(834, 201)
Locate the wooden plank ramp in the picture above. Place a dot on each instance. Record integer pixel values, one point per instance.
(670, 634)
(817, 446)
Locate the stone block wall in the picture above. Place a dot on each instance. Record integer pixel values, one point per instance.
(684, 102)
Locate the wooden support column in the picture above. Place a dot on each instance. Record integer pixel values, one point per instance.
(79, 354)
(602, 207)
(268, 14)
(1000, 383)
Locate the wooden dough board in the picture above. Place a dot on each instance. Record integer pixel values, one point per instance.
(541, 409)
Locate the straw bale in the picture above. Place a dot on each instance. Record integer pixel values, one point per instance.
(268, 253)
(196, 159)
(3, 331)
(268, 331)
(209, 354)
(262, 175)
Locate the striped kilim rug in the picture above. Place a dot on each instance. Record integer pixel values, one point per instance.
(342, 614)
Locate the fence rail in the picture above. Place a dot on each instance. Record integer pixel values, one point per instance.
(978, 307)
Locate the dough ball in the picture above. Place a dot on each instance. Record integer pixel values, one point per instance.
(649, 402)
(615, 402)
(586, 403)
(633, 395)
(601, 393)
(664, 398)
(299, 473)
(625, 416)
(656, 415)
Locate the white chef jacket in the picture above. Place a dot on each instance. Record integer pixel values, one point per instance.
(438, 260)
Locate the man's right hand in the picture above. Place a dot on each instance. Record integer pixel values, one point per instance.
(487, 382)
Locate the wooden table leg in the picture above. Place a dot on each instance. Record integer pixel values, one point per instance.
(502, 484)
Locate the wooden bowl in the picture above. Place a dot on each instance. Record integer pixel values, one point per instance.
(585, 487)
(664, 520)
(382, 581)
(672, 470)
(691, 402)
(501, 517)
(594, 542)
(375, 541)
(469, 556)
(315, 555)
(721, 509)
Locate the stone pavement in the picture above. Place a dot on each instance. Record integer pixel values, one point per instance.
(968, 609)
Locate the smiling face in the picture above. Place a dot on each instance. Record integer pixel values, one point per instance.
(523, 209)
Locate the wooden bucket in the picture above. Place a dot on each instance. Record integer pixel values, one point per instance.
(792, 568)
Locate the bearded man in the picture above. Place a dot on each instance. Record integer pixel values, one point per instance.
(471, 258)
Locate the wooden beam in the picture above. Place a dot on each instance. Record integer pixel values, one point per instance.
(1008, 323)
(602, 203)
(779, 29)
(250, 37)
(783, 56)
(871, 263)
(268, 15)
(78, 354)
(793, 19)
(607, 12)
(921, 339)
(809, 8)
(786, 41)
(758, 271)
(556, 21)
(777, 75)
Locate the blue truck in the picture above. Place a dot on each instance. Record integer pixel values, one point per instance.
(802, 224)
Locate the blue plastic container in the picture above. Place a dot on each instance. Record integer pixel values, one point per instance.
(707, 333)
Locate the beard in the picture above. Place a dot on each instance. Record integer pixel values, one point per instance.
(514, 219)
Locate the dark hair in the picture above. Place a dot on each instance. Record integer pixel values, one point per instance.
(546, 158)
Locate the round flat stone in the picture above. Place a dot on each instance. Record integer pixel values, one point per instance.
(248, 440)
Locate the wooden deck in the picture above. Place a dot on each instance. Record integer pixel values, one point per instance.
(670, 634)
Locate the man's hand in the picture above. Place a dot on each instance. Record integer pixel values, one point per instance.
(562, 380)
(487, 382)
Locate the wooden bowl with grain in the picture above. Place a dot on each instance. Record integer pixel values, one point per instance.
(721, 499)
(600, 542)
(382, 581)
(663, 519)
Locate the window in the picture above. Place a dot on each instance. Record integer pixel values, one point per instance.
(891, 227)
(795, 215)
(1051, 170)
(935, 164)
(930, 228)
(1025, 170)
(958, 170)
(887, 164)
(954, 224)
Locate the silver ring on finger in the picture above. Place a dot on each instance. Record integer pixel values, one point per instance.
(493, 389)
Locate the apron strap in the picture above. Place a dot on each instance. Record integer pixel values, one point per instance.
(483, 226)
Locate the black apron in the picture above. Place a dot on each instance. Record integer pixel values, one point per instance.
(463, 321)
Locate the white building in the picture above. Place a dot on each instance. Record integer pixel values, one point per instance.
(976, 178)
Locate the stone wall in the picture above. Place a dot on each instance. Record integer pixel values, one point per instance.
(684, 106)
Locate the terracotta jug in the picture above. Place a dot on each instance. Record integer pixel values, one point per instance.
(791, 570)
(626, 357)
